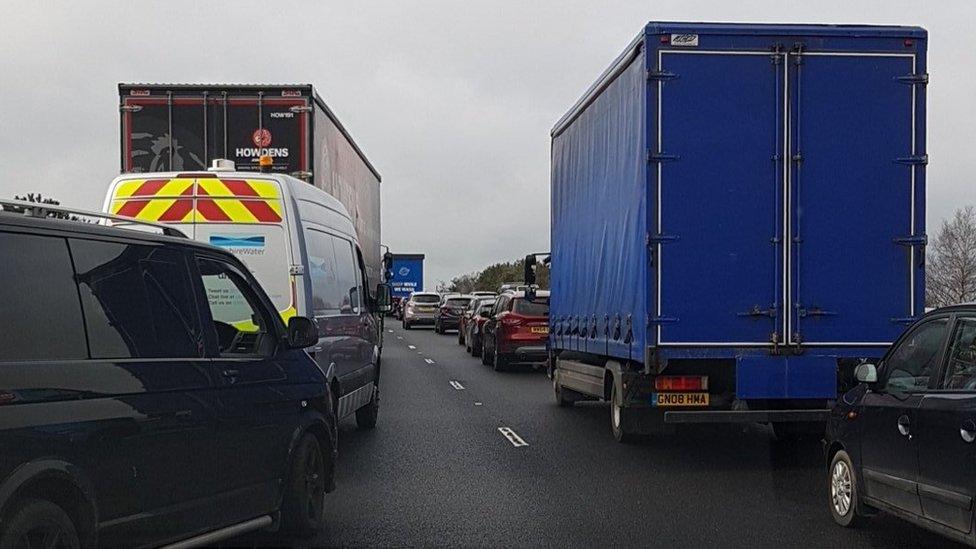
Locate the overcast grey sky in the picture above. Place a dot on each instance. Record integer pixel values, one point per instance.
(452, 101)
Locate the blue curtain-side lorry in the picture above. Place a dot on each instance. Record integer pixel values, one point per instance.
(406, 274)
(738, 219)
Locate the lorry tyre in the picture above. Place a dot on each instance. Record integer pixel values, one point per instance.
(792, 432)
(304, 499)
(499, 362)
(842, 493)
(41, 523)
(366, 416)
(618, 418)
(562, 394)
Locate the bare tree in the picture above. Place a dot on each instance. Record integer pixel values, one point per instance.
(950, 270)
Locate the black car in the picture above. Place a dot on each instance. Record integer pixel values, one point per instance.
(149, 393)
(449, 313)
(904, 440)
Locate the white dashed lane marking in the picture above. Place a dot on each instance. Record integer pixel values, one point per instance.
(512, 437)
(411, 346)
(428, 361)
(457, 385)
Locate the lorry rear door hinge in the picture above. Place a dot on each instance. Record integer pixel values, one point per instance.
(913, 160)
(804, 313)
(918, 79)
(651, 320)
(917, 240)
(661, 75)
(299, 108)
(130, 108)
(658, 157)
(756, 311)
(659, 238)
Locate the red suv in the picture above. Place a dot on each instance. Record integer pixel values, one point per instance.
(517, 330)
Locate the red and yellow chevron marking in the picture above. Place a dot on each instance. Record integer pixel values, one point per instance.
(205, 200)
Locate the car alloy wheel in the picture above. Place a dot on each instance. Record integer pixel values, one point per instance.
(841, 488)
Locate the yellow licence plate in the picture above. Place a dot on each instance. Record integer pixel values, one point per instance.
(540, 329)
(679, 399)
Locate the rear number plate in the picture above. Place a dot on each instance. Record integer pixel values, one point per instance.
(540, 329)
(679, 399)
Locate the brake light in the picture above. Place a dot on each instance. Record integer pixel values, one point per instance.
(511, 320)
(681, 383)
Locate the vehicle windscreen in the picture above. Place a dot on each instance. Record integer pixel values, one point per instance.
(537, 307)
(459, 302)
(485, 306)
(426, 299)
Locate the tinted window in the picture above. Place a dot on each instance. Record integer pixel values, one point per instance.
(537, 307)
(426, 298)
(455, 302)
(40, 317)
(485, 306)
(138, 301)
(241, 327)
(913, 362)
(961, 366)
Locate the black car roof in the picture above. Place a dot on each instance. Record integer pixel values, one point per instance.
(80, 228)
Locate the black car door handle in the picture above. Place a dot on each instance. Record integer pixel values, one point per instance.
(968, 430)
(903, 426)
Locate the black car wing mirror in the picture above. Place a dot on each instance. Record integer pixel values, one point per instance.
(302, 332)
(384, 300)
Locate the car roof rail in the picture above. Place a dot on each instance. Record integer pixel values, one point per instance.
(43, 210)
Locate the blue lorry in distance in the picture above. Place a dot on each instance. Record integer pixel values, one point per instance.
(406, 274)
(738, 220)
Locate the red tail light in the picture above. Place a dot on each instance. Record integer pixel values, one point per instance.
(681, 383)
(512, 320)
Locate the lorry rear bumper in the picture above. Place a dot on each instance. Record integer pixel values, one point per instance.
(745, 416)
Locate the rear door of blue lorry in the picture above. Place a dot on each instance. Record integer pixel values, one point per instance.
(789, 193)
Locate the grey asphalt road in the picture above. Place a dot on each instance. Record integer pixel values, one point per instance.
(437, 471)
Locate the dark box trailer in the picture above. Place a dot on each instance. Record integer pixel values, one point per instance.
(406, 274)
(742, 202)
(168, 127)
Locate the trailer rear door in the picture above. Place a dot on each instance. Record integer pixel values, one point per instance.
(719, 197)
(853, 208)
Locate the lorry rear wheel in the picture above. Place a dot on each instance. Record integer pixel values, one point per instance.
(366, 416)
(618, 418)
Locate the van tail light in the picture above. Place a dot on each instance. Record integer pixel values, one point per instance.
(681, 383)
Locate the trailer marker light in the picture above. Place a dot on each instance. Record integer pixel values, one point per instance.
(665, 39)
(909, 42)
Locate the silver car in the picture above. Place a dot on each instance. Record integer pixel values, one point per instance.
(421, 308)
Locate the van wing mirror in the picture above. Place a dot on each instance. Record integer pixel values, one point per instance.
(866, 373)
(302, 332)
(384, 300)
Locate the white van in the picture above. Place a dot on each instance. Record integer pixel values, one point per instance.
(301, 246)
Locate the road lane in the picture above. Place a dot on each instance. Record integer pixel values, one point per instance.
(438, 470)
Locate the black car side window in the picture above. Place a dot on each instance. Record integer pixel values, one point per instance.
(961, 363)
(40, 318)
(911, 365)
(242, 326)
(137, 300)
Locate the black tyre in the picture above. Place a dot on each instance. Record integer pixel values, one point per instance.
(467, 346)
(485, 355)
(618, 418)
(563, 396)
(460, 336)
(406, 325)
(304, 499)
(499, 362)
(38, 523)
(843, 496)
(366, 416)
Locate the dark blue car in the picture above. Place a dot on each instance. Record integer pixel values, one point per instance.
(149, 393)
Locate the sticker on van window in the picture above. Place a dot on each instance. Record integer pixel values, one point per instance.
(237, 241)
